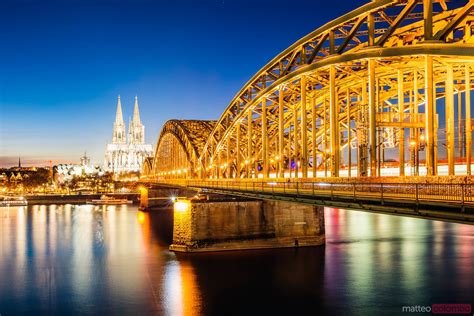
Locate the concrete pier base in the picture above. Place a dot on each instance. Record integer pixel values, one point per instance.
(237, 225)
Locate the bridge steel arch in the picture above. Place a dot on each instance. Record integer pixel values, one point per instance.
(178, 148)
(379, 81)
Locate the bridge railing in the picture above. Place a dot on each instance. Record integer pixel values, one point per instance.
(414, 192)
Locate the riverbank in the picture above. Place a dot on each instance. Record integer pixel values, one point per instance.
(76, 198)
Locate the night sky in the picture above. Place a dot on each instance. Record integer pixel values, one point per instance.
(63, 63)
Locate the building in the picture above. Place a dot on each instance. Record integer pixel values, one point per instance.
(128, 151)
(66, 172)
(85, 161)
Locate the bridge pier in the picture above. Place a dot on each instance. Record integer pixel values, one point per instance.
(245, 224)
(143, 198)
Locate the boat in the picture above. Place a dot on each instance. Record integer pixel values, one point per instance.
(109, 200)
(13, 201)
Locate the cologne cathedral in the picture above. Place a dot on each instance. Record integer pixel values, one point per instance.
(128, 151)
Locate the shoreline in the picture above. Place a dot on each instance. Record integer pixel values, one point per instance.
(76, 198)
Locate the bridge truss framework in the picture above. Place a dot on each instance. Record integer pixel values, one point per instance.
(389, 79)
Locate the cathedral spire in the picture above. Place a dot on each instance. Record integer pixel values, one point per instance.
(118, 136)
(118, 115)
(136, 113)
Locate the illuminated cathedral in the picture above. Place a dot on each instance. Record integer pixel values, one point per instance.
(128, 151)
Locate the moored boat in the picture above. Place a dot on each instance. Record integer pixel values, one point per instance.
(109, 200)
(13, 201)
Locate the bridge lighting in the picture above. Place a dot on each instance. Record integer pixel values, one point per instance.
(381, 82)
(182, 206)
(179, 171)
(173, 199)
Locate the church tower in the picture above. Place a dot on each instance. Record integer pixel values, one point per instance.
(127, 152)
(119, 136)
(136, 130)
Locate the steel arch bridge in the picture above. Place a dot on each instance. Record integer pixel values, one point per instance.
(381, 81)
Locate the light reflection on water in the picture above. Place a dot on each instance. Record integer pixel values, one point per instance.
(88, 259)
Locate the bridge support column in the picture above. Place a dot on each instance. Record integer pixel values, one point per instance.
(430, 117)
(249, 161)
(239, 225)
(296, 154)
(449, 96)
(372, 119)
(362, 135)
(468, 119)
(314, 147)
(334, 123)
(281, 139)
(304, 130)
(401, 133)
(265, 167)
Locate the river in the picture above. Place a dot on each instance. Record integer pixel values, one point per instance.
(64, 259)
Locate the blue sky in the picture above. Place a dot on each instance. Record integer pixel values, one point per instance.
(63, 63)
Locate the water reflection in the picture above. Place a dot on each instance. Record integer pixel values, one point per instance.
(87, 259)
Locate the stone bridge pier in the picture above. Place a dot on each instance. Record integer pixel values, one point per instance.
(245, 224)
(211, 222)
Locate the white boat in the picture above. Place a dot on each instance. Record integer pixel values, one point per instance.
(13, 201)
(109, 200)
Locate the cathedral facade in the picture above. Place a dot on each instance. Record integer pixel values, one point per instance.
(128, 151)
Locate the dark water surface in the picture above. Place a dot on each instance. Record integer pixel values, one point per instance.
(64, 260)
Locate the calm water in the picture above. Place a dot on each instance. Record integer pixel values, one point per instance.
(96, 260)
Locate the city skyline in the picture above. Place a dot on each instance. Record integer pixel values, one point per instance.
(59, 86)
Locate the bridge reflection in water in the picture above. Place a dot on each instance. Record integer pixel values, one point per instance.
(91, 260)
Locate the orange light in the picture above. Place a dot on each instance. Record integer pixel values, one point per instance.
(141, 217)
(182, 205)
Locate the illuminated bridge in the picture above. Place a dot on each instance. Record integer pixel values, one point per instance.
(374, 105)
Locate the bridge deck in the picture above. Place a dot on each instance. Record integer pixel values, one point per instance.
(453, 202)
